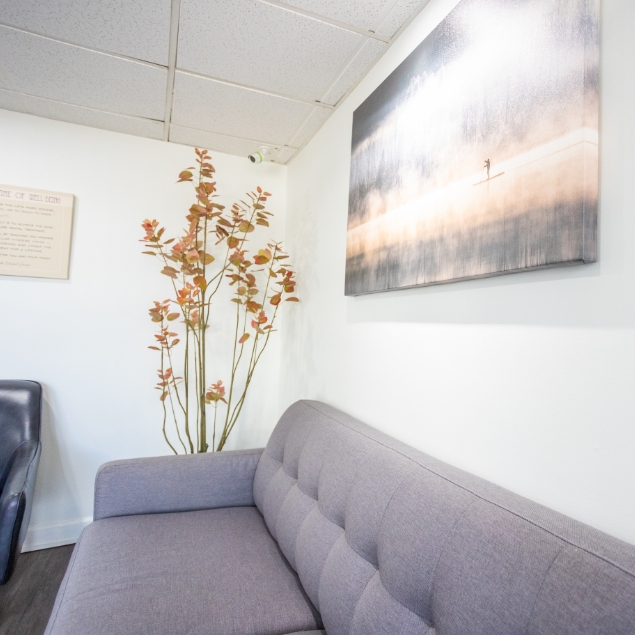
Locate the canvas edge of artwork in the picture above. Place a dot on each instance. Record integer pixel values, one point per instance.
(591, 179)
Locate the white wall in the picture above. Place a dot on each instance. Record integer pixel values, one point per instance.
(527, 380)
(85, 339)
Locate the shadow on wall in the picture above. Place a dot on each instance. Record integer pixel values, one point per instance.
(54, 485)
(598, 295)
(578, 296)
(299, 326)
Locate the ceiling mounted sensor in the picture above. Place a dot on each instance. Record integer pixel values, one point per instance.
(261, 155)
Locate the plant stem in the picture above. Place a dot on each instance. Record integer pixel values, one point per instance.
(186, 382)
(230, 421)
(194, 297)
(165, 412)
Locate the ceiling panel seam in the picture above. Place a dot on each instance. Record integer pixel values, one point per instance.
(384, 14)
(224, 134)
(395, 36)
(126, 58)
(256, 90)
(392, 15)
(349, 61)
(402, 28)
(413, 14)
(169, 93)
(68, 103)
(231, 136)
(303, 123)
(322, 18)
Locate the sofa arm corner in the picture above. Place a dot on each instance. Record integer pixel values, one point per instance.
(175, 483)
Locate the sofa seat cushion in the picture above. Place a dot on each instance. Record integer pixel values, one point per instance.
(211, 572)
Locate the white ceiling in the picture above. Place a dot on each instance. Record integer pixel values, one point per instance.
(228, 75)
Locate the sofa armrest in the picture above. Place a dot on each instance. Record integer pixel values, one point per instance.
(175, 483)
(16, 499)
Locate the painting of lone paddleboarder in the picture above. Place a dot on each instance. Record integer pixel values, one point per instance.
(478, 155)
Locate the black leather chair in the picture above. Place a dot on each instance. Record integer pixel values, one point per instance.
(20, 447)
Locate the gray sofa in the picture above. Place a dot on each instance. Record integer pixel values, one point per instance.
(334, 526)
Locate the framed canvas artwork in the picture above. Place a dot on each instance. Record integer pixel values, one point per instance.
(478, 155)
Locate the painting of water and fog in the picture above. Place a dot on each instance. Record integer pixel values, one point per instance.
(478, 155)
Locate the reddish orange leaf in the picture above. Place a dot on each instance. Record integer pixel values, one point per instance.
(192, 255)
(171, 272)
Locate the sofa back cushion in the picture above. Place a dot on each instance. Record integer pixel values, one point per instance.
(388, 541)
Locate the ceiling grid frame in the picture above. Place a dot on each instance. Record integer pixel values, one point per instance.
(255, 89)
(422, 4)
(351, 71)
(91, 49)
(326, 20)
(68, 103)
(175, 11)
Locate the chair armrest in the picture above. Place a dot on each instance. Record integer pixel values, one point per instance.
(16, 500)
(175, 483)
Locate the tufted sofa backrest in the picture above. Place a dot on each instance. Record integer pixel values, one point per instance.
(389, 541)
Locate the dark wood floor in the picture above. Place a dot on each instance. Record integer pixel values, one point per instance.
(27, 599)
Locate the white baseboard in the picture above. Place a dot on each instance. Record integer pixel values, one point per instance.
(54, 534)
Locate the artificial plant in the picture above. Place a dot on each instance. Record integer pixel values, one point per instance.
(211, 252)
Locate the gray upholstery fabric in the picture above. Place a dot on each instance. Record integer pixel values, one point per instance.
(385, 540)
(175, 483)
(389, 541)
(210, 572)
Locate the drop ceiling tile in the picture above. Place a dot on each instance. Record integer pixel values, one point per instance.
(209, 105)
(285, 155)
(399, 15)
(136, 29)
(360, 13)
(355, 70)
(45, 68)
(310, 126)
(214, 141)
(260, 45)
(83, 116)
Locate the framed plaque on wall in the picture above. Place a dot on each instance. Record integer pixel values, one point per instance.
(35, 232)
